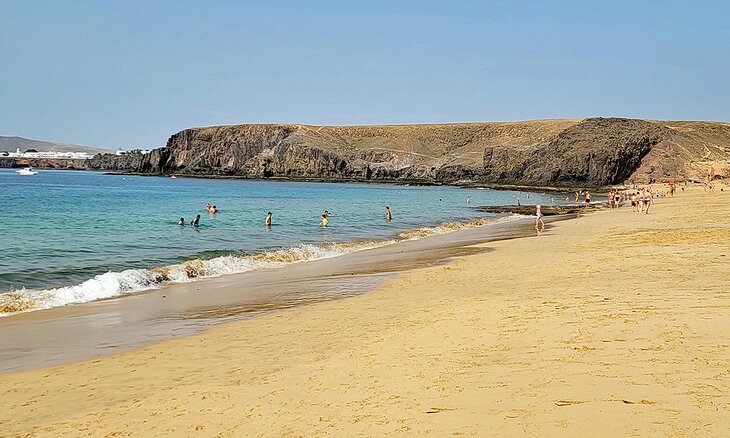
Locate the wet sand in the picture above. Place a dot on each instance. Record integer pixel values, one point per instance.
(614, 324)
(90, 330)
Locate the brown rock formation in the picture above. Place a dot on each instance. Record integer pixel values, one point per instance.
(590, 152)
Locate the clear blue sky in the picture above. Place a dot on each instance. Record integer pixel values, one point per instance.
(131, 73)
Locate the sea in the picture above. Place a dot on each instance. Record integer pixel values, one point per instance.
(73, 236)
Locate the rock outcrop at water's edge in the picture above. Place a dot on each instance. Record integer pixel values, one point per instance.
(588, 152)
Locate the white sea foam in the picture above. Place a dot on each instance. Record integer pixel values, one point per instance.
(112, 284)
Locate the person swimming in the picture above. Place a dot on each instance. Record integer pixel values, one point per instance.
(388, 215)
(268, 219)
(213, 209)
(182, 221)
(325, 221)
(468, 200)
(328, 213)
(196, 222)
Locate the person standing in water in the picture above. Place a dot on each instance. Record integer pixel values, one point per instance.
(196, 222)
(388, 216)
(468, 200)
(325, 221)
(182, 221)
(268, 219)
(588, 198)
(539, 224)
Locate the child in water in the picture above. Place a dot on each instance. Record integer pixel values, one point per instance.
(196, 222)
(325, 221)
(182, 221)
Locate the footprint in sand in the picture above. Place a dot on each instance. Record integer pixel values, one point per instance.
(569, 402)
(640, 402)
(438, 410)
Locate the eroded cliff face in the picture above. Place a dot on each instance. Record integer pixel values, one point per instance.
(595, 152)
(590, 152)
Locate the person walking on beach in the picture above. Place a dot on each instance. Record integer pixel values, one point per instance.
(195, 222)
(388, 215)
(268, 219)
(648, 200)
(539, 224)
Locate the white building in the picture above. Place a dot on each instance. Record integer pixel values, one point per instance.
(51, 155)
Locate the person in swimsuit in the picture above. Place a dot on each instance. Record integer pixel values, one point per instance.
(325, 221)
(539, 224)
(268, 219)
(388, 216)
(648, 200)
(182, 221)
(588, 198)
(196, 222)
(468, 200)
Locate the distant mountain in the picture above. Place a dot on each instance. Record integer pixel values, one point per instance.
(10, 144)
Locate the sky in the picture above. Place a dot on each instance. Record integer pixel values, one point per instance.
(131, 73)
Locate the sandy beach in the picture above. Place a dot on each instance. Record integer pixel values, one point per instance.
(613, 324)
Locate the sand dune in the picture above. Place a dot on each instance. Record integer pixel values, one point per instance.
(614, 324)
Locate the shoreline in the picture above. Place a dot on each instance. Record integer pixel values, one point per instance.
(465, 184)
(612, 325)
(188, 308)
(30, 300)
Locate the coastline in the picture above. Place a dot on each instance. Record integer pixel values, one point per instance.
(461, 183)
(614, 324)
(98, 328)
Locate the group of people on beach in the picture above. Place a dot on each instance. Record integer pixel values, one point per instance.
(642, 200)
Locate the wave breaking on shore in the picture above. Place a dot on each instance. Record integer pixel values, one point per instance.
(114, 284)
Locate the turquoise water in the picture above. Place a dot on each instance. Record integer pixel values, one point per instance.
(71, 236)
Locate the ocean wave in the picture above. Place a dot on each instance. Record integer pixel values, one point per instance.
(113, 284)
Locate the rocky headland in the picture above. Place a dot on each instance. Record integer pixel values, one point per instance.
(553, 153)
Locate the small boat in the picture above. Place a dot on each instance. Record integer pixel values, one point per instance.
(27, 171)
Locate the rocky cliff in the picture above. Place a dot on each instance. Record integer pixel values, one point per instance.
(589, 152)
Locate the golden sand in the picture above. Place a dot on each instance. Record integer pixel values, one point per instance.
(615, 324)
